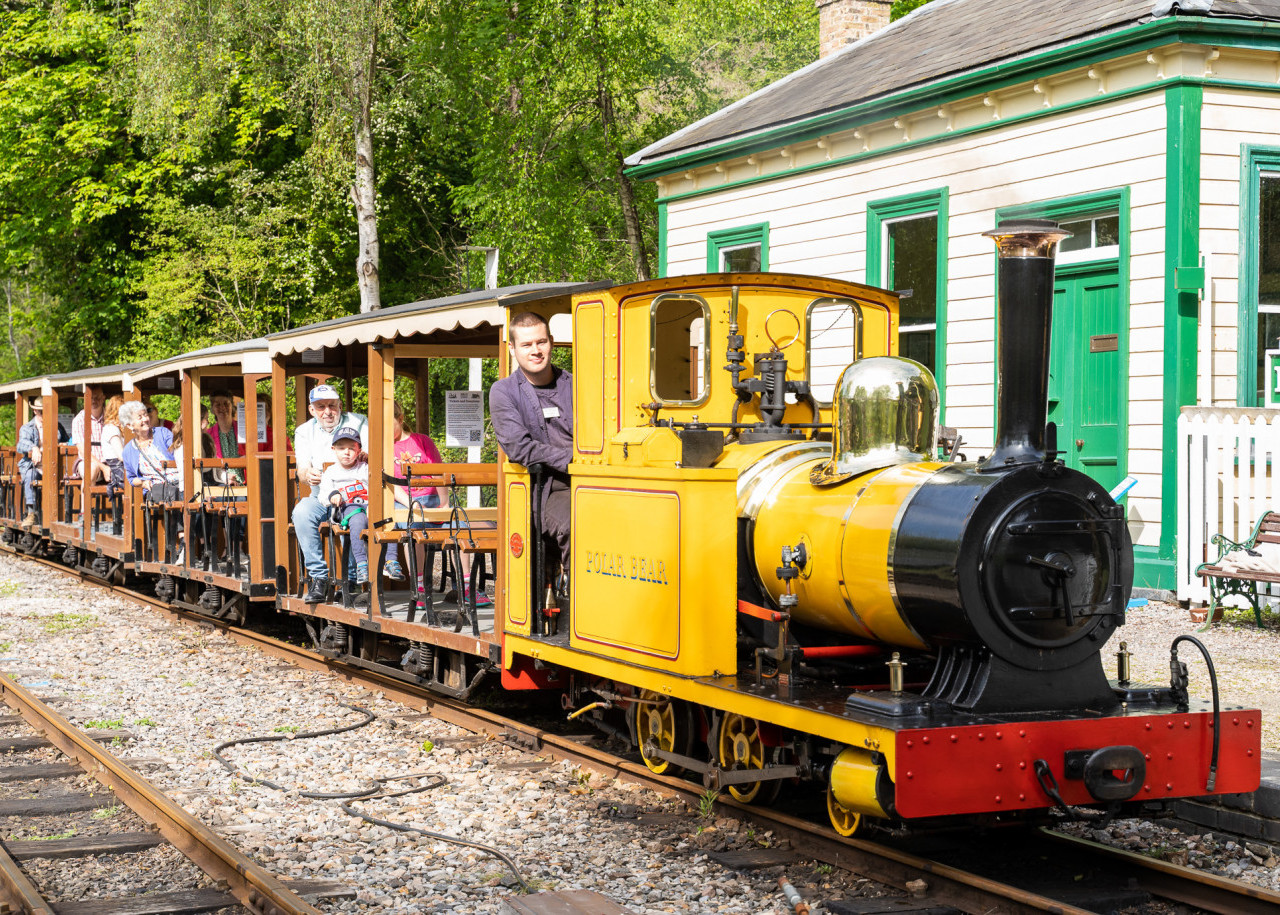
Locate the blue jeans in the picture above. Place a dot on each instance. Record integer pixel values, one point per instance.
(29, 475)
(307, 516)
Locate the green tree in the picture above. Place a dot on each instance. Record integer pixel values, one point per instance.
(552, 94)
(900, 8)
(70, 179)
(317, 65)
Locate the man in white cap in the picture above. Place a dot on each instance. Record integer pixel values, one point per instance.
(30, 455)
(313, 447)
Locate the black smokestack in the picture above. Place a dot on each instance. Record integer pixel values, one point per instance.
(1027, 248)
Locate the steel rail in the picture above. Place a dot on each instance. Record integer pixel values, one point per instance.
(20, 893)
(1186, 885)
(250, 883)
(966, 891)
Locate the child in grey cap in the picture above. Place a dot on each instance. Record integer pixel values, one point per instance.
(346, 485)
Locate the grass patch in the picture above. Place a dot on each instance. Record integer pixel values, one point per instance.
(146, 722)
(65, 622)
(9, 588)
(286, 729)
(107, 813)
(105, 724)
(53, 838)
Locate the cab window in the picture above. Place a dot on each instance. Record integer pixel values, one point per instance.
(679, 352)
(835, 340)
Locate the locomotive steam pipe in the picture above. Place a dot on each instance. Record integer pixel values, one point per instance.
(1026, 249)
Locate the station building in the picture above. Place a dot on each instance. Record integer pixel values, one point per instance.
(1150, 128)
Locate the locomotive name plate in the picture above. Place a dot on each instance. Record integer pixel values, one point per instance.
(626, 567)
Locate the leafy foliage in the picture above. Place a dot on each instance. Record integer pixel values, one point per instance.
(179, 173)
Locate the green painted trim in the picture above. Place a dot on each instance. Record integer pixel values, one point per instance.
(1151, 570)
(1131, 40)
(1183, 107)
(881, 211)
(1076, 206)
(662, 239)
(733, 238)
(1253, 161)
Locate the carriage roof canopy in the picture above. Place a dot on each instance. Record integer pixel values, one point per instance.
(941, 39)
(466, 311)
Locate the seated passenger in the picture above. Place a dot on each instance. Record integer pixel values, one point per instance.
(345, 485)
(532, 413)
(144, 462)
(113, 443)
(145, 455)
(97, 471)
(409, 448)
(156, 421)
(313, 444)
(30, 456)
(226, 432)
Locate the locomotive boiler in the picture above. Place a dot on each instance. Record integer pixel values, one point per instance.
(1013, 570)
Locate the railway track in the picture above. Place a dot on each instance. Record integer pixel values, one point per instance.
(41, 792)
(962, 887)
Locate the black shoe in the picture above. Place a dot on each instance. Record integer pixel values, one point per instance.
(316, 593)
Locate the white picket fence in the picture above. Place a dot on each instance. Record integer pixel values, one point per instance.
(1228, 476)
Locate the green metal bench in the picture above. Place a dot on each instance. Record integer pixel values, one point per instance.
(1229, 579)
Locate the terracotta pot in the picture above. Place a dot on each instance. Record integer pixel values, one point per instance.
(1200, 614)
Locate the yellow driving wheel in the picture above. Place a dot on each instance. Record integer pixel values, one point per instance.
(740, 746)
(666, 722)
(843, 821)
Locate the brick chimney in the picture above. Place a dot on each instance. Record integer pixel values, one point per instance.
(842, 22)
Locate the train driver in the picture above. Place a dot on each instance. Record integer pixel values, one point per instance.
(532, 413)
(313, 445)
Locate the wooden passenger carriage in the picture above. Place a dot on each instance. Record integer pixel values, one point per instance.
(218, 571)
(454, 643)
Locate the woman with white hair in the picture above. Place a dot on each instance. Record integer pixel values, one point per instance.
(145, 455)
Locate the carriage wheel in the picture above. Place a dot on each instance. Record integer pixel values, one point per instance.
(843, 821)
(740, 746)
(669, 724)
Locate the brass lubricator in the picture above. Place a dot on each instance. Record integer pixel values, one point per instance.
(896, 667)
(1122, 664)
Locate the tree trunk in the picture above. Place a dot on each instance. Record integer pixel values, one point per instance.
(631, 219)
(364, 191)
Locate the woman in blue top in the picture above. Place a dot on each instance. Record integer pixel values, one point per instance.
(144, 462)
(145, 455)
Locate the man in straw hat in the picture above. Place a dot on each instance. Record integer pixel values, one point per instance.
(30, 455)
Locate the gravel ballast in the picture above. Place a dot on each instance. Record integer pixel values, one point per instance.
(182, 690)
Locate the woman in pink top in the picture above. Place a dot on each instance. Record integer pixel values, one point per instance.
(409, 448)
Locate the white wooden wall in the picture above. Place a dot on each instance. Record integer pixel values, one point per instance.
(1231, 118)
(817, 224)
(1228, 477)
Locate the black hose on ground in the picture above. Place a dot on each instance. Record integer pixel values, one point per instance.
(373, 792)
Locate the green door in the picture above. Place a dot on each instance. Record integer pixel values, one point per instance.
(1085, 370)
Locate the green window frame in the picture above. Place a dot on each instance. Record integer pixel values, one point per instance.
(740, 237)
(1254, 161)
(880, 212)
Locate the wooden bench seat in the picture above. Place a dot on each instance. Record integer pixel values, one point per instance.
(1242, 574)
